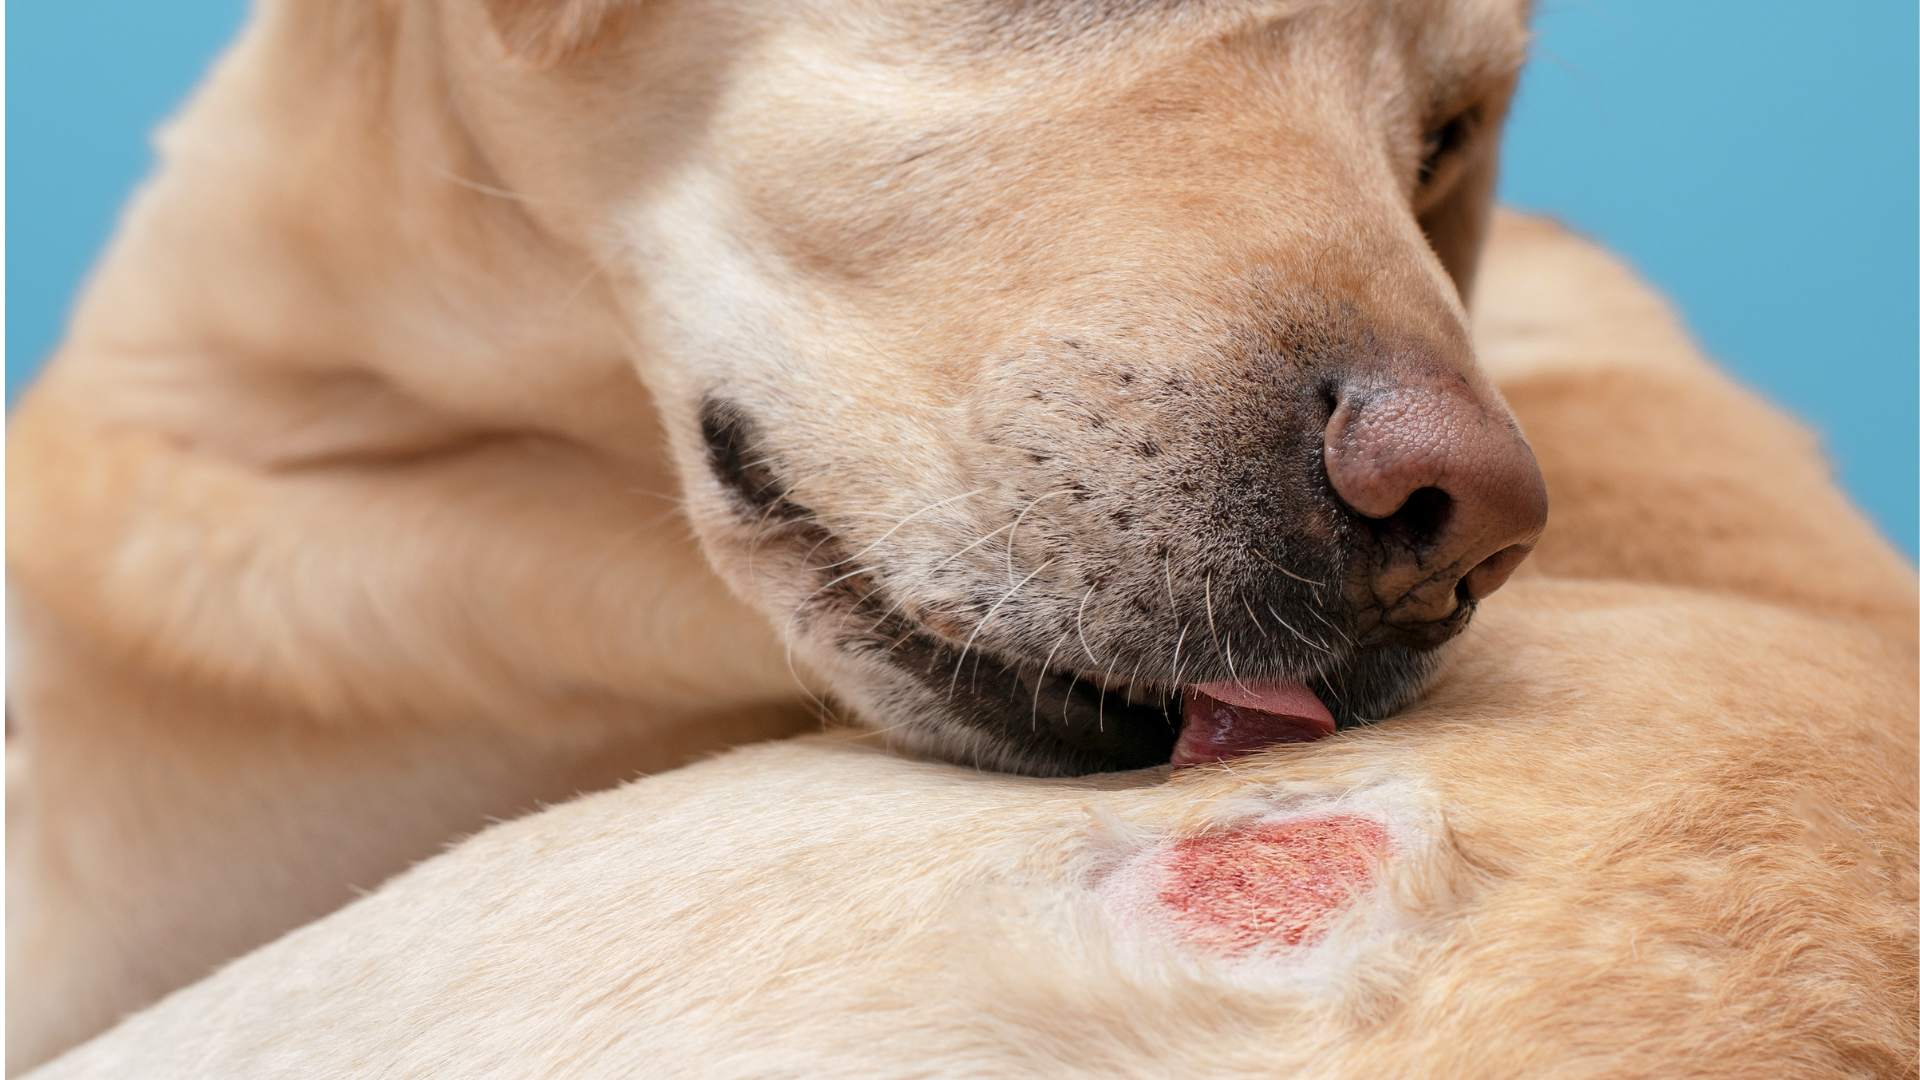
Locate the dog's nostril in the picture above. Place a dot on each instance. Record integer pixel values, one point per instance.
(1492, 572)
(1421, 520)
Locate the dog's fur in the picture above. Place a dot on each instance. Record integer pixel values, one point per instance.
(341, 523)
(1656, 817)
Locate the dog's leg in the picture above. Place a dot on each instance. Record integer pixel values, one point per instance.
(509, 583)
(339, 527)
(201, 784)
(175, 823)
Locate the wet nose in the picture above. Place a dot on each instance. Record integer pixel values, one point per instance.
(1448, 487)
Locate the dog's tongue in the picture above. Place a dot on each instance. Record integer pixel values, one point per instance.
(1226, 719)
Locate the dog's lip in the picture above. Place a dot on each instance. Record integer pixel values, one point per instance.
(1125, 691)
(1218, 720)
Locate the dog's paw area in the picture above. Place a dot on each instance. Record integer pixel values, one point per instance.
(1267, 889)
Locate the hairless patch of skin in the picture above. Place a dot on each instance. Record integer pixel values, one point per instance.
(1267, 884)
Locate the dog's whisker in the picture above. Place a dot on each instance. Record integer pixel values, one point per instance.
(1173, 605)
(902, 522)
(1040, 681)
(1305, 581)
(794, 671)
(487, 189)
(847, 611)
(1080, 626)
(953, 684)
(942, 564)
(1181, 640)
(1333, 627)
(676, 498)
(856, 572)
(936, 568)
(806, 560)
(1212, 630)
(1257, 624)
(1289, 629)
(1022, 516)
(1066, 703)
(579, 287)
(1100, 719)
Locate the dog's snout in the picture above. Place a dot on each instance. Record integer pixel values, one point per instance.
(1447, 485)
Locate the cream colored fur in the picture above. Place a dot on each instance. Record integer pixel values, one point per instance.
(341, 524)
(1657, 817)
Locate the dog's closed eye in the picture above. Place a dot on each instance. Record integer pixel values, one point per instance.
(1444, 141)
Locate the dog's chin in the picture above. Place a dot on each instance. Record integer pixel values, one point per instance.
(1025, 716)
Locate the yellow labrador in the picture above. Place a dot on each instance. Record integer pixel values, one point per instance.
(1655, 817)
(492, 399)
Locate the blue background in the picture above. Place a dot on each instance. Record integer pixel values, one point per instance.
(1758, 159)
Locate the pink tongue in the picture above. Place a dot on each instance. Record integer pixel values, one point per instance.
(1227, 719)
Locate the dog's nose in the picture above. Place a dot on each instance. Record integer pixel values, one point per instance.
(1449, 488)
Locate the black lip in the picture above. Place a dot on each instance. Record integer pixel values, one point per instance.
(1039, 721)
(1057, 722)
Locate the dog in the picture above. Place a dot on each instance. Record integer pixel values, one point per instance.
(1655, 815)
(490, 400)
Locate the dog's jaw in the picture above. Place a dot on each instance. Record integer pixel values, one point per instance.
(1044, 715)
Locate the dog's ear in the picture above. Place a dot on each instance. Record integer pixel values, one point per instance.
(549, 32)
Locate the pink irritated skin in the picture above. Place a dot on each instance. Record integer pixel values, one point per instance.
(1276, 883)
(1224, 720)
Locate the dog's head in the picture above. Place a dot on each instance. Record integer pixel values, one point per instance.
(1029, 361)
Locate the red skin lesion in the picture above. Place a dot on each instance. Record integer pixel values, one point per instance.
(1276, 883)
